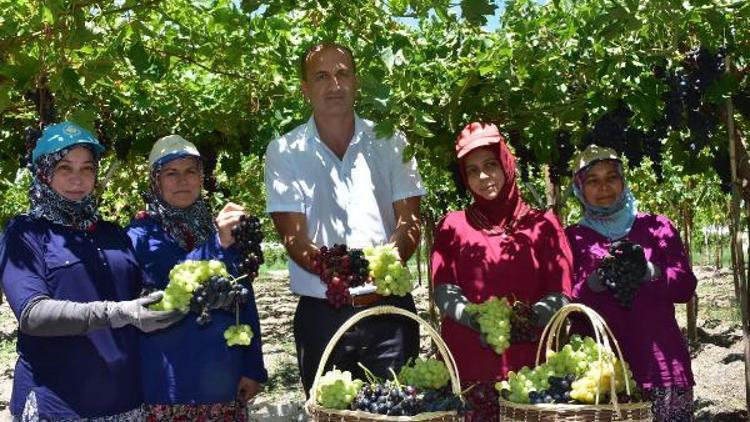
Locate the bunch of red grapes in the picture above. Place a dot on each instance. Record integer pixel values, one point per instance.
(522, 327)
(339, 269)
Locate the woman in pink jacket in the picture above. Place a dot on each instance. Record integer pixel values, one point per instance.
(647, 250)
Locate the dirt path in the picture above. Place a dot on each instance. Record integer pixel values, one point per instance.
(717, 359)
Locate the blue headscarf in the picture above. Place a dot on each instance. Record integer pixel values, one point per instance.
(613, 222)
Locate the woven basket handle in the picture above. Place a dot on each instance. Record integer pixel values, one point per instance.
(388, 310)
(603, 336)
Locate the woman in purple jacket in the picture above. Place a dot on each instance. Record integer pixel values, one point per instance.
(649, 247)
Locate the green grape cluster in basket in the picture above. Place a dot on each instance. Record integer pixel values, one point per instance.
(336, 389)
(571, 375)
(493, 317)
(425, 374)
(390, 276)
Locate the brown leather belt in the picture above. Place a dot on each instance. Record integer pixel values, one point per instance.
(361, 301)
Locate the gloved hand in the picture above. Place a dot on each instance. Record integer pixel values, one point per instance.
(451, 302)
(136, 313)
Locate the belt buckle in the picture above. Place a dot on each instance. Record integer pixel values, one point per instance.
(367, 300)
(356, 305)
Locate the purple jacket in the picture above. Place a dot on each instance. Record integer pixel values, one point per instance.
(648, 332)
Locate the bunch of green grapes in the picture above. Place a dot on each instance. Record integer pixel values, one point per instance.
(493, 317)
(520, 384)
(579, 358)
(425, 374)
(568, 360)
(599, 377)
(238, 335)
(337, 389)
(184, 278)
(389, 275)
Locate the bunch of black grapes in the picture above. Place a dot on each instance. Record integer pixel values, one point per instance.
(623, 271)
(558, 391)
(217, 293)
(559, 165)
(396, 400)
(387, 399)
(248, 237)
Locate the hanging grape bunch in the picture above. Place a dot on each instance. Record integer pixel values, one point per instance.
(31, 135)
(565, 150)
(685, 104)
(44, 103)
(248, 237)
(622, 272)
(340, 268)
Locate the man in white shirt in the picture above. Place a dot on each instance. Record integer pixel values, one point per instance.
(332, 180)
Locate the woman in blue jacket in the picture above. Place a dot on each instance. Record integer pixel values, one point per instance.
(72, 281)
(189, 372)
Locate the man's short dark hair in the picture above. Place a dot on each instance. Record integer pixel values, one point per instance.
(320, 47)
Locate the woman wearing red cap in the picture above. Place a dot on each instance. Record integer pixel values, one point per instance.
(500, 247)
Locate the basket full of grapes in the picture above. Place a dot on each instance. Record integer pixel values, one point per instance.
(584, 380)
(423, 390)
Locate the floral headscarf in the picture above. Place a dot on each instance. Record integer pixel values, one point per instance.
(189, 226)
(47, 204)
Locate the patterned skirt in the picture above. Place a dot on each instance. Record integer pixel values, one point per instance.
(216, 412)
(670, 404)
(31, 414)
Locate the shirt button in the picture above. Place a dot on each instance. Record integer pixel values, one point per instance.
(67, 262)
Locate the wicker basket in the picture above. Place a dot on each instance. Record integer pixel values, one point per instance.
(321, 414)
(613, 411)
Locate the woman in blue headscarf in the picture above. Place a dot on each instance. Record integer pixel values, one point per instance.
(647, 251)
(72, 281)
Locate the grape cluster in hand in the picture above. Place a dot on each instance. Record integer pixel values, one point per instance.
(622, 272)
(339, 269)
(218, 292)
(522, 327)
(248, 237)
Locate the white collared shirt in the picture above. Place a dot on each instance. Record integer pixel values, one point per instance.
(348, 200)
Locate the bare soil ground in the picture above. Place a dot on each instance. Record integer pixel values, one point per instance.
(718, 355)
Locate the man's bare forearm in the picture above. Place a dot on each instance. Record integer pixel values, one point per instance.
(292, 229)
(406, 235)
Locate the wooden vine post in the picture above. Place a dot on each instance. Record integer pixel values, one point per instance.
(736, 243)
(554, 195)
(692, 305)
(428, 231)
